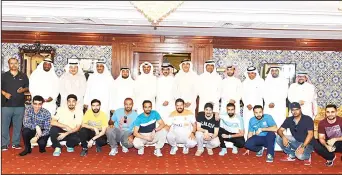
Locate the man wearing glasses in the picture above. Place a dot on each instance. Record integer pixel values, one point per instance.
(122, 128)
(36, 124)
(300, 144)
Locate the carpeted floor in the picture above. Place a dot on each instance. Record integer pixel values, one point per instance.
(101, 163)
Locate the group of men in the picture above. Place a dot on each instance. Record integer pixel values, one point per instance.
(154, 120)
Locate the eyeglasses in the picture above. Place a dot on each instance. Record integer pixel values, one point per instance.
(125, 119)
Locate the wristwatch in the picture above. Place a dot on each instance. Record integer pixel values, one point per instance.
(302, 146)
(229, 136)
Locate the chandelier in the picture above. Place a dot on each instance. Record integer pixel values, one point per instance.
(156, 11)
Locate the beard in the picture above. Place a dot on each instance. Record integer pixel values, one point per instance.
(95, 110)
(230, 114)
(300, 82)
(259, 117)
(180, 110)
(71, 107)
(147, 112)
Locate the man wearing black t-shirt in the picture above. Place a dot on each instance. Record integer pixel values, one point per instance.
(207, 130)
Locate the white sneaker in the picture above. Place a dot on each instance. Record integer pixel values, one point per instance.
(158, 153)
(223, 152)
(235, 150)
(124, 149)
(185, 150)
(173, 150)
(113, 151)
(141, 151)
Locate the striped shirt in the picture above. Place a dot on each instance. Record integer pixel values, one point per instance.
(41, 119)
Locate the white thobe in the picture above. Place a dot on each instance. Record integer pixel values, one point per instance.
(72, 84)
(252, 93)
(100, 86)
(209, 90)
(185, 88)
(276, 92)
(145, 89)
(124, 88)
(231, 90)
(305, 92)
(45, 84)
(164, 93)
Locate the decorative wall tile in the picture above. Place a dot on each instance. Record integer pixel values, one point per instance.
(324, 67)
(63, 52)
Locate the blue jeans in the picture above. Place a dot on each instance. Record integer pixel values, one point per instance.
(255, 143)
(16, 115)
(293, 145)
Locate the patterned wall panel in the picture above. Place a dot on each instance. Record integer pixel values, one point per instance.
(324, 67)
(63, 52)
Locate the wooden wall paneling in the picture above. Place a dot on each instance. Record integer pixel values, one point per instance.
(122, 56)
(201, 53)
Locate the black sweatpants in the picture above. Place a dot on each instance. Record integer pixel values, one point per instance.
(86, 134)
(72, 139)
(237, 141)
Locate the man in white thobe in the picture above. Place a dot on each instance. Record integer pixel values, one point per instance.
(100, 85)
(45, 82)
(124, 87)
(252, 94)
(231, 91)
(165, 100)
(305, 94)
(73, 81)
(209, 87)
(185, 86)
(275, 94)
(145, 87)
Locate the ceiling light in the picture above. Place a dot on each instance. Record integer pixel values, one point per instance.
(286, 25)
(28, 18)
(156, 11)
(130, 22)
(185, 23)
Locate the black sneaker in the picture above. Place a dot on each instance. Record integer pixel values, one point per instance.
(42, 150)
(330, 163)
(4, 148)
(98, 149)
(16, 146)
(25, 152)
(84, 152)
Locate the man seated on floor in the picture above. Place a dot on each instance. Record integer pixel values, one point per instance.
(330, 135)
(145, 130)
(93, 129)
(207, 130)
(122, 130)
(65, 126)
(231, 130)
(261, 133)
(181, 125)
(36, 124)
(300, 144)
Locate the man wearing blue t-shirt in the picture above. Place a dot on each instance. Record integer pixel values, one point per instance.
(146, 132)
(122, 130)
(261, 133)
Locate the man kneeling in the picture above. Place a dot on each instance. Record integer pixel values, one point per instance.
(181, 125)
(145, 130)
(207, 130)
(65, 126)
(261, 133)
(122, 130)
(93, 129)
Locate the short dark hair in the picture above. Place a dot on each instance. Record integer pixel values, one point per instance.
(38, 98)
(128, 98)
(146, 101)
(12, 59)
(95, 101)
(179, 100)
(230, 105)
(258, 107)
(331, 106)
(72, 96)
